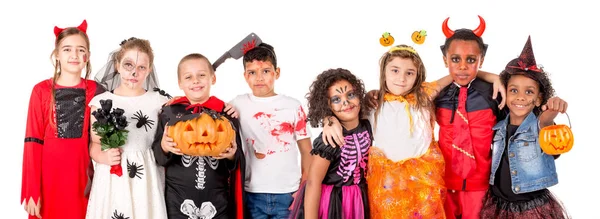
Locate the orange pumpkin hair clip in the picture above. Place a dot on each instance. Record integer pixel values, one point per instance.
(417, 37)
(386, 39)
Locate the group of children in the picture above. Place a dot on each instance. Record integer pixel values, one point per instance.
(377, 156)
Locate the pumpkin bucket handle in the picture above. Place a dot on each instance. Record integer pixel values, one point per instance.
(569, 119)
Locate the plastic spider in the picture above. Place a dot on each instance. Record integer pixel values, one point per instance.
(116, 215)
(143, 120)
(213, 114)
(133, 169)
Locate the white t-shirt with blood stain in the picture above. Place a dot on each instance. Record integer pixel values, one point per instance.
(270, 127)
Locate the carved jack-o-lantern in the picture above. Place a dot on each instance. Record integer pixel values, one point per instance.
(202, 136)
(556, 139)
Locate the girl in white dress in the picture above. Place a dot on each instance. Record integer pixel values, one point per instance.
(131, 84)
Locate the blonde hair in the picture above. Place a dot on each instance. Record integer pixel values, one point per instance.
(193, 56)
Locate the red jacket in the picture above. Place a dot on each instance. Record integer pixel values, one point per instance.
(482, 112)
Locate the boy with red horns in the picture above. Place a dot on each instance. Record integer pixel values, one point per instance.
(466, 111)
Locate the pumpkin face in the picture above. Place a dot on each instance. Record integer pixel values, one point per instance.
(556, 139)
(203, 135)
(418, 37)
(386, 39)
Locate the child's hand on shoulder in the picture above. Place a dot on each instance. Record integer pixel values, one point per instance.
(229, 153)
(498, 87)
(332, 132)
(230, 110)
(551, 109)
(371, 98)
(167, 144)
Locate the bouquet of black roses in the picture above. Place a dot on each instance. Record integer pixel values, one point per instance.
(110, 126)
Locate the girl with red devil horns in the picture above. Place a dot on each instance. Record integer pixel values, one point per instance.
(56, 136)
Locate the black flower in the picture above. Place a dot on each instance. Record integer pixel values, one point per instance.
(118, 119)
(117, 112)
(110, 125)
(101, 117)
(106, 105)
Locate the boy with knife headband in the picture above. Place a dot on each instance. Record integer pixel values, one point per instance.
(274, 132)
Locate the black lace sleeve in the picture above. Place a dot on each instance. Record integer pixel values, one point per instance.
(325, 151)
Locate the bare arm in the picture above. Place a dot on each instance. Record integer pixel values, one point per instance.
(441, 84)
(497, 86)
(483, 75)
(305, 147)
(312, 197)
(487, 76)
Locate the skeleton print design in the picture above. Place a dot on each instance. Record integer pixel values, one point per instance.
(187, 161)
(206, 211)
(354, 156)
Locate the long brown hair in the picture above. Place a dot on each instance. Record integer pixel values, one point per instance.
(404, 52)
(64, 34)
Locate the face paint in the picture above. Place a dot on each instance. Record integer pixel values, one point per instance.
(134, 69)
(85, 58)
(343, 101)
(338, 103)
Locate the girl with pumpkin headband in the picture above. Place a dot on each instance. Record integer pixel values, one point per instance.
(521, 172)
(56, 163)
(137, 192)
(405, 179)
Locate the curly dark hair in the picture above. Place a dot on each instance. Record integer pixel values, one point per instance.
(318, 99)
(542, 79)
(466, 35)
(263, 52)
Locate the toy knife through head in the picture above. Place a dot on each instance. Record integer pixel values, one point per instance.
(238, 51)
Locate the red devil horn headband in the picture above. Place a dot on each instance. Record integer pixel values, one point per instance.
(479, 31)
(82, 27)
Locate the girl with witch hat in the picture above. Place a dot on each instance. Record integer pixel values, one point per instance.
(521, 172)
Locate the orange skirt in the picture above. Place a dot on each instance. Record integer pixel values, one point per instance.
(410, 188)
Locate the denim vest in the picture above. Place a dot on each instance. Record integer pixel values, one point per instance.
(530, 168)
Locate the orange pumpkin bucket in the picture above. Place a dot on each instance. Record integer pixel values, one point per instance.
(556, 139)
(203, 135)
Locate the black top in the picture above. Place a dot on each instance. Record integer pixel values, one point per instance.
(196, 185)
(347, 162)
(502, 183)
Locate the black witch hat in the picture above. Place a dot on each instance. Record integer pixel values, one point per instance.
(525, 62)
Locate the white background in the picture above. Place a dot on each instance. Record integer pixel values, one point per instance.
(309, 37)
